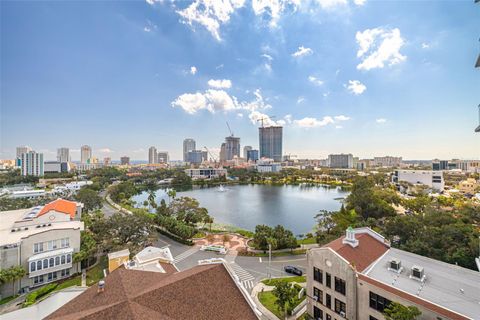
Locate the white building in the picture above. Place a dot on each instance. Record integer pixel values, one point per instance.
(387, 161)
(205, 173)
(85, 154)
(63, 154)
(430, 178)
(340, 161)
(268, 165)
(21, 150)
(32, 163)
(42, 240)
(152, 155)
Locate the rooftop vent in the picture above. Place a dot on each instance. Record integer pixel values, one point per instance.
(350, 238)
(395, 265)
(101, 286)
(418, 273)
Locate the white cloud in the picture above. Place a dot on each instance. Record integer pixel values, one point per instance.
(256, 118)
(425, 45)
(302, 51)
(273, 8)
(356, 87)
(210, 14)
(308, 122)
(240, 115)
(331, 4)
(220, 84)
(220, 66)
(381, 120)
(105, 150)
(147, 29)
(288, 118)
(379, 46)
(267, 56)
(359, 2)
(341, 118)
(338, 127)
(152, 2)
(315, 80)
(300, 100)
(193, 70)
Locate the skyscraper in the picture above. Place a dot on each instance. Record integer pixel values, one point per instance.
(223, 156)
(63, 155)
(232, 147)
(340, 161)
(270, 142)
(162, 157)
(245, 151)
(188, 145)
(152, 155)
(252, 155)
(23, 149)
(125, 161)
(32, 163)
(85, 154)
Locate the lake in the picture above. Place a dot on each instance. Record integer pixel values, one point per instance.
(245, 206)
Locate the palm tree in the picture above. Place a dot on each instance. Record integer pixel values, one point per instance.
(171, 194)
(151, 199)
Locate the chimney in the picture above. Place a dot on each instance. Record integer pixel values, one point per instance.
(101, 286)
(350, 238)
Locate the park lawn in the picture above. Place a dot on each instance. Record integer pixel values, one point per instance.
(311, 240)
(275, 281)
(268, 300)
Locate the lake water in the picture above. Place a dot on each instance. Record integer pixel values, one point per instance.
(245, 206)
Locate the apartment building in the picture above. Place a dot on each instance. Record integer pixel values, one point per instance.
(357, 276)
(205, 173)
(430, 178)
(43, 240)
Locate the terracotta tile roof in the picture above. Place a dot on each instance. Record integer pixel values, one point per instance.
(368, 250)
(203, 292)
(60, 205)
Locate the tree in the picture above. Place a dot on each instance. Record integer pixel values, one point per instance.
(90, 199)
(12, 274)
(285, 294)
(171, 194)
(151, 199)
(397, 311)
(88, 248)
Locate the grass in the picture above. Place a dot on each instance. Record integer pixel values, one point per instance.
(311, 240)
(8, 299)
(275, 281)
(268, 300)
(95, 274)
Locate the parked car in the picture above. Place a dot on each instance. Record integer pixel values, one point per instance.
(293, 270)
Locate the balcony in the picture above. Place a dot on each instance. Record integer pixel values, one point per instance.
(50, 261)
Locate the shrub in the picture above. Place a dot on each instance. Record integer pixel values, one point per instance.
(34, 296)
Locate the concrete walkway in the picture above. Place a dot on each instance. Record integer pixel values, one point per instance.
(257, 289)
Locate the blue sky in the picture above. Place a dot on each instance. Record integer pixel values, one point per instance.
(367, 77)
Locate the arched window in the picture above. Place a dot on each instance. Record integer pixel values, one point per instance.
(57, 261)
(51, 262)
(63, 259)
(69, 258)
(39, 265)
(33, 266)
(45, 263)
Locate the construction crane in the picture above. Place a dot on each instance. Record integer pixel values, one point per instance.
(265, 118)
(231, 133)
(211, 155)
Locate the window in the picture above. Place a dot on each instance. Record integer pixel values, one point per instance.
(328, 280)
(45, 263)
(317, 313)
(340, 307)
(329, 301)
(57, 261)
(372, 318)
(318, 293)
(50, 276)
(51, 262)
(65, 242)
(69, 258)
(39, 265)
(340, 285)
(329, 317)
(33, 266)
(38, 247)
(317, 275)
(377, 302)
(63, 259)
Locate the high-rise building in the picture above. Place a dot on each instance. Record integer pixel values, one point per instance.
(107, 161)
(32, 163)
(252, 155)
(223, 151)
(245, 151)
(270, 142)
(340, 161)
(85, 154)
(188, 145)
(162, 157)
(152, 155)
(125, 161)
(387, 161)
(232, 147)
(197, 156)
(23, 149)
(63, 155)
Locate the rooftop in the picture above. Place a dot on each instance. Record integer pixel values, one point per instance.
(60, 205)
(447, 285)
(203, 292)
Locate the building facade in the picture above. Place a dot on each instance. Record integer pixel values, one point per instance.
(32, 164)
(42, 240)
(196, 156)
(63, 154)
(245, 151)
(56, 167)
(85, 154)
(152, 155)
(232, 147)
(340, 161)
(271, 142)
(252, 155)
(162, 157)
(188, 145)
(387, 161)
(430, 178)
(125, 161)
(205, 173)
(357, 276)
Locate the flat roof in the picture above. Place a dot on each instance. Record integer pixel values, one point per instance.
(8, 218)
(449, 286)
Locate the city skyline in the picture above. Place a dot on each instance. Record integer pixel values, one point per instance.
(339, 76)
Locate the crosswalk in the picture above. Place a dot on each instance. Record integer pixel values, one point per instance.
(246, 279)
(185, 254)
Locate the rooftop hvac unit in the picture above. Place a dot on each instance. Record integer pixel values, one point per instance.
(395, 265)
(418, 273)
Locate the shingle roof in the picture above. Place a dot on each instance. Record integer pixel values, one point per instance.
(368, 250)
(203, 292)
(60, 205)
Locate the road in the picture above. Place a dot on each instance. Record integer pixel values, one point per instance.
(107, 209)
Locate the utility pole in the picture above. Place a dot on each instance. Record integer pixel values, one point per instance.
(269, 260)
